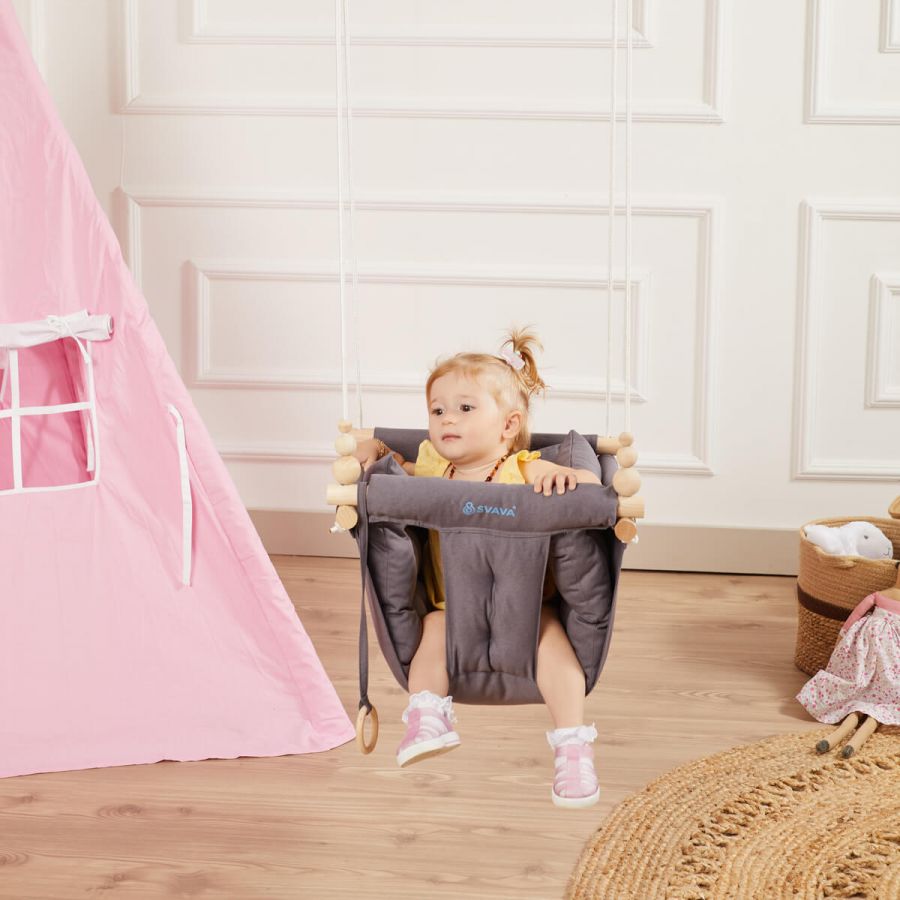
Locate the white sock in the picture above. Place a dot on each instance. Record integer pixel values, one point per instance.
(578, 734)
(432, 700)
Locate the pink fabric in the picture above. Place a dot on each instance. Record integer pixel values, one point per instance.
(105, 658)
(865, 605)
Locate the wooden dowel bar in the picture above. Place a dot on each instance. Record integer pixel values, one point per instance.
(608, 445)
(340, 495)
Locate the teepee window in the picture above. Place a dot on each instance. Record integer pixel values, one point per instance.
(48, 411)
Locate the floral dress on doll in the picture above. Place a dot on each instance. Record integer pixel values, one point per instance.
(863, 674)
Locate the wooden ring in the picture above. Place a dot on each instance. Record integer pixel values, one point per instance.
(361, 729)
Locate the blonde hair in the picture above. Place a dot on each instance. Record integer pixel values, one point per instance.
(512, 389)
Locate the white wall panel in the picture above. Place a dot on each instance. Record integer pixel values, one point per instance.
(890, 26)
(853, 77)
(413, 74)
(274, 21)
(883, 385)
(841, 344)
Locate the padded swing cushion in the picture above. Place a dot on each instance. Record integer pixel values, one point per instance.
(496, 541)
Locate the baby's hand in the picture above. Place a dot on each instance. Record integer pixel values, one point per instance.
(368, 452)
(561, 477)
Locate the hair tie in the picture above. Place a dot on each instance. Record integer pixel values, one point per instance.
(514, 358)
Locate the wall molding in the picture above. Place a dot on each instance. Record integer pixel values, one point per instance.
(35, 30)
(199, 31)
(202, 373)
(707, 212)
(709, 109)
(806, 463)
(819, 108)
(884, 324)
(890, 26)
(674, 548)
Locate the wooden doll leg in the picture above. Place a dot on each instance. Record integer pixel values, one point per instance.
(862, 735)
(838, 734)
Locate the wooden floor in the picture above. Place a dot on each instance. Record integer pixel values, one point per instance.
(698, 663)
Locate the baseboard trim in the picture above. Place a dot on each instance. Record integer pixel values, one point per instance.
(667, 548)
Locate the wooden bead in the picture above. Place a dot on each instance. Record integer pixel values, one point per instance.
(345, 444)
(631, 507)
(626, 530)
(347, 469)
(341, 494)
(626, 438)
(344, 426)
(626, 457)
(627, 482)
(346, 517)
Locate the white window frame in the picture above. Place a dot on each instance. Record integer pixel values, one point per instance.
(80, 328)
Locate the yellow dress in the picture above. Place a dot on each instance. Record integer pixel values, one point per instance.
(430, 464)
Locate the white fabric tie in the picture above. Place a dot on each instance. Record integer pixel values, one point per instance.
(187, 506)
(79, 325)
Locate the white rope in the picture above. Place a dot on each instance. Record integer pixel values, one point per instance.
(628, 90)
(611, 215)
(338, 29)
(354, 268)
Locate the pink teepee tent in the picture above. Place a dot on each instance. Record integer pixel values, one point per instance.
(140, 618)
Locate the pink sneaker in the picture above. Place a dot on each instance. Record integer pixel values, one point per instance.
(429, 728)
(575, 783)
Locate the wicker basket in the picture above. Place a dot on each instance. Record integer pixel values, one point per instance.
(829, 587)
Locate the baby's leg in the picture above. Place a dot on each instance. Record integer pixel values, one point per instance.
(561, 682)
(429, 717)
(560, 677)
(428, 669)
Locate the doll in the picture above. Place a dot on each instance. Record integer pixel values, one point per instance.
(862, 681)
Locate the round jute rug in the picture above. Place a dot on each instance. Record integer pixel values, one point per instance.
(767, 821)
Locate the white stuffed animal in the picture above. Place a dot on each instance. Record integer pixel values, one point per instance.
(853, 539)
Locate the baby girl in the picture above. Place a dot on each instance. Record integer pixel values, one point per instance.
(478, 408)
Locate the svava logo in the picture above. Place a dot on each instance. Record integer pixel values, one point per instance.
(470, 509)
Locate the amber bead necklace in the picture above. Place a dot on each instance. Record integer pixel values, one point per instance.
(490, 477)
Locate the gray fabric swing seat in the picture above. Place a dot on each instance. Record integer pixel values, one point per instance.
(497, 541)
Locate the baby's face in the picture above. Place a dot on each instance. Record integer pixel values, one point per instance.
(464, 422)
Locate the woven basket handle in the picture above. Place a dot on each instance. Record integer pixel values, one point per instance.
(836, 562)
(894, 510)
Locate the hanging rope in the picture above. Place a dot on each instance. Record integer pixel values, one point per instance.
(354, 267)
(611, 214)
(344, 111)
(338, 42)
(629, 48)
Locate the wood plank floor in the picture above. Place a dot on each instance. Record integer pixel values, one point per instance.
(698, 663)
